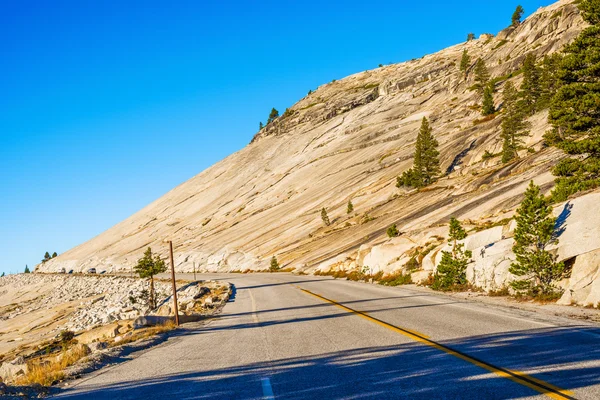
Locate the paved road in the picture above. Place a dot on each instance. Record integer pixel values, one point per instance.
(275, 340)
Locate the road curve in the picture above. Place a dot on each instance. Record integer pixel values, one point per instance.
(286, 336)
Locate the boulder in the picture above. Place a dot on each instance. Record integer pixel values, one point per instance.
(489, 269)
(150, 320)
(164, 310)
(583, 287)
(420, 276)
(97, 346)
(9, 371)
(103, 332)
(381, 256)
(579, 226)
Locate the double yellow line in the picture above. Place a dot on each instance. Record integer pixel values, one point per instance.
(515, 376)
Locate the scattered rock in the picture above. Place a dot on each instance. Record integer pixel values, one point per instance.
(97, 346)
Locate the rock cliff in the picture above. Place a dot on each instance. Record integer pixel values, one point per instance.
(348, 140)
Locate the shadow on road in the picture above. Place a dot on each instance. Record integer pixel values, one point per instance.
(410, 370)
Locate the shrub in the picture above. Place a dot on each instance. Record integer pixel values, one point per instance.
(451, 272)
(396, 279)
(487, 155)
(325, 217)
(392, 231)
(350, 207)
(274, 265)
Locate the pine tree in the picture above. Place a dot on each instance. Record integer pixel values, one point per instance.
(260, 126)
(549, 80)
(274, 264)
(392, 231)
(465, 62)
(325, 217)
(575, 110)
(470, 36)
(531, 86)
(514, 126)
(46, 257)
(517, 15)
(147, 267)
(273, 115)
(426, 166)
(54, 255)
(452, 270)
(482, 76)
(488, 107)
(350, 208)
(590, 10)
(27, 269)
(3, 274)
(534, 233)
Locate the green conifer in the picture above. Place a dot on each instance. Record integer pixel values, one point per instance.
(531, 86)
(465, 62)
(392, 231)
(517, 15)
(575, 109)
(514, 126)
(488, 107)
(27, 269)
(147, 267)
(426, 166)
(452, 270)
(482, 76)
(470, 36)
(274, 264)
(549, 79)
(534, 264)
(273, 115)
(350, 208)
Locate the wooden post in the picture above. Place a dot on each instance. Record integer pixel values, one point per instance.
(174, 285)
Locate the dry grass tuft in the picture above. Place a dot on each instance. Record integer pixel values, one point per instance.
(46, 372)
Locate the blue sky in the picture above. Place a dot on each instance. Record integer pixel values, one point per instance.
(106, 106)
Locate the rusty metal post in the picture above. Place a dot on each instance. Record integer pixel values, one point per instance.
(174, 285)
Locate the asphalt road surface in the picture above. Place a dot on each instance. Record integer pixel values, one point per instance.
(285, 336)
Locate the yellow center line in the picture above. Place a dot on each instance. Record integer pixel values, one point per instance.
(515, 376)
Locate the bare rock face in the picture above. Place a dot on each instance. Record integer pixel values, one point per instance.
(583, 286)
(349, 140)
